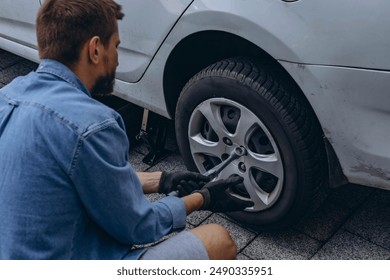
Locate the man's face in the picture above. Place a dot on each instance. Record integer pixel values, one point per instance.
(104, 84)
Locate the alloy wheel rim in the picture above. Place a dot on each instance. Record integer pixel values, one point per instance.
(219, 125)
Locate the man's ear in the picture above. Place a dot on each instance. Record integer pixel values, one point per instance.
(94, 49)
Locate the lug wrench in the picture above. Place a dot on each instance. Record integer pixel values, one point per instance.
(213, 172)
(235, 154)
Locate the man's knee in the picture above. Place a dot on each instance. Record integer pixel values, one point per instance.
(217, 241)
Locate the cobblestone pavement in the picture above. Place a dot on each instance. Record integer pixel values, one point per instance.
(353, 223)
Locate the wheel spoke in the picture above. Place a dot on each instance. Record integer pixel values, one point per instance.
(267, 163)
(261, 199)
(200, 145)
(211, 112)
(245, 125)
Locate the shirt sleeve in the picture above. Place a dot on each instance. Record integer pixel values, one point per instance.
(110, 190)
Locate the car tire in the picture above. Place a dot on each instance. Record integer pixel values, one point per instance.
(237, 103)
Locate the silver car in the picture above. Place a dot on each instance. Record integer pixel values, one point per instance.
(300, 87)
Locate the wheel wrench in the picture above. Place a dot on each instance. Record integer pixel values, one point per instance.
(235, 154)
(213, 172)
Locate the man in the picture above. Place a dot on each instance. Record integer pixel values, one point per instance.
(67, 190)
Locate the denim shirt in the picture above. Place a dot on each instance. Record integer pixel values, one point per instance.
(67, 190)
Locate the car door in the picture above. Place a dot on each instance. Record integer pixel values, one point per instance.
(143, 29)
(17, 26)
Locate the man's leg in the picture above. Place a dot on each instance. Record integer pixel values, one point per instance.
(204, 242)
(217, 241)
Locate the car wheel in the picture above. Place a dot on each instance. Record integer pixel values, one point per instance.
(235, 103)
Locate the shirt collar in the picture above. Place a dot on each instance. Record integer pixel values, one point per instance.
(60, 70)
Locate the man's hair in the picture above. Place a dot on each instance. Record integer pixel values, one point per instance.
(64, 26)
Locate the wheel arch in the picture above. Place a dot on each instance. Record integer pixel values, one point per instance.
(201, 49)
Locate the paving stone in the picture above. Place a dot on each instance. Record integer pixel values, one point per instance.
(243, 257)
(10, 73)
(338, 207)
(325, 221)
(154, 197)
(172, 163)
(7, 60)
(350, 195)
(136, 156)
(347, 246)
(198, 217)
(283, 245)
(372, 221)
(30, 65)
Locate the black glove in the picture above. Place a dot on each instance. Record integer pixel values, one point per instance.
(183, 182)
(218, 199)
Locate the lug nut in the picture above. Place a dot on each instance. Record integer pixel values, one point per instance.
(242, 167)
(227, 141)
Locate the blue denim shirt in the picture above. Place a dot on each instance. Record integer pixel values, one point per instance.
(67, 190)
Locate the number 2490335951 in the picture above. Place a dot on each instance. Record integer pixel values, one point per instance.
(241, 270)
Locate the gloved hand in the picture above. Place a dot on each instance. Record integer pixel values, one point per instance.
(183, 182)
(218, 199)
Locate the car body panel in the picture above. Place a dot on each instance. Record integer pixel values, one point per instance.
(296, 31)
(17, 27)
(150, 22)
(354, 120)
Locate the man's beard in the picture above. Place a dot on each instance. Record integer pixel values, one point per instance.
(104, 85)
